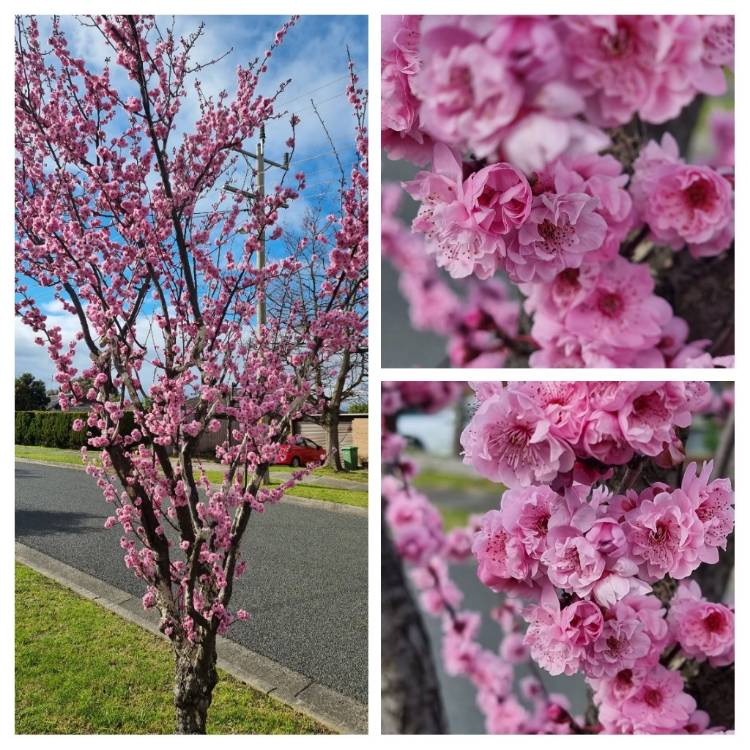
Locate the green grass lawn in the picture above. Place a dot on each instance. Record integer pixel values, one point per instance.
(454, 517)
(81, 669)
(357, 498)
(51, 455)
(430, 479)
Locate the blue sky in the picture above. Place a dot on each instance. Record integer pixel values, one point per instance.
(313, 55)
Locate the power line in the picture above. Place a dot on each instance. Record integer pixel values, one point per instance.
(312, 91)
(322, 101)
(319, 88)
(311, 158)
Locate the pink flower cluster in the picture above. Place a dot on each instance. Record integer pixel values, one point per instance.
(528, 433)
(425, 396)
(651, 66)
(508, 110)
(647, 700)
(517, 86)
(606, 546)
(584, 557)
(704, 630)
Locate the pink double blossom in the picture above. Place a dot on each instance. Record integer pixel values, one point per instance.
(644, 701)
(704, 630)
(683, 204)
(560, 231)
(465, 221)
(510, 440)
(666, 536)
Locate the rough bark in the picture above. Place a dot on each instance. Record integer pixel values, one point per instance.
(331, 410)
(410, 693)
(195, 679)
(331, 425)
(713, 690)
(702, 292)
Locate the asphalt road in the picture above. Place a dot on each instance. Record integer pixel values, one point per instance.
(305, 587)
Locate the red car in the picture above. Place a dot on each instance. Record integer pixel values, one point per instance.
(302, 451)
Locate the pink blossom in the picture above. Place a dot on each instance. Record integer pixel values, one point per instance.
(623, 643)
(468, 93)
(460, 649)
(582, 622)
(650, 65)
(573, 563)
(560, 231)
(712, 501)
(416, 526)
(564, 403)
(602, 178)
(703, 629)
(513, 649)
(465, 220)
(666, 536)
(602, 439)
(620, 311)
(527, 512)
(648, 418)
(479, 335)
(509, 440)
(644, 701)
(682, 204)
(659, 703)
(401, 136)
(554, 645)
(502, 562)
(503, 717)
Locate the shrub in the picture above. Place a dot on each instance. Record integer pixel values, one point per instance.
(54, 429)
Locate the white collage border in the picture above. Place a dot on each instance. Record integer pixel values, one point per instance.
(374, 10)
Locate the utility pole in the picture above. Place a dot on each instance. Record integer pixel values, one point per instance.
(260, 157)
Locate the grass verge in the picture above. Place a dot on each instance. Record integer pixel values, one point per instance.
(357, 498)
(454, 518)
(430, 479)
(83, 670)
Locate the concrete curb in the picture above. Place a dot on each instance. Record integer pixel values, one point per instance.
(305, 502)
(336, 711)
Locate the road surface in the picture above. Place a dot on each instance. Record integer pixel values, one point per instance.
(305, 587)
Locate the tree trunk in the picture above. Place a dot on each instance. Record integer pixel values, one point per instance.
(410, 693)
(333, 449)
(195, 679)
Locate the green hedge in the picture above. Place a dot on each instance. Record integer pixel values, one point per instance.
(54, 429)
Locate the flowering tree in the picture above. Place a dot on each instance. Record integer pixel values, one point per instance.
(107, 222)
(557, 187)
(343, 376)
(599, 546)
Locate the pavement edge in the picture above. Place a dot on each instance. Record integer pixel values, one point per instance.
(332, 709)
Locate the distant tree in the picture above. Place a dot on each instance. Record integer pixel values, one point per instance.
(358, 407)
(31, 393)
